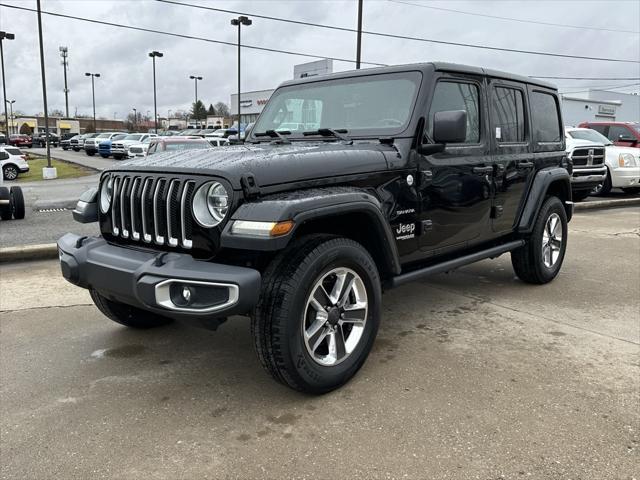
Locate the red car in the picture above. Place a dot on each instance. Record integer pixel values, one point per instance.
(624, 134)
(20, 140)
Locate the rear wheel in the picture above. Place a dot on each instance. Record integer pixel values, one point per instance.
(5, 204)
(318, 313)
(127, 315)
(540, 259)
(17, 203)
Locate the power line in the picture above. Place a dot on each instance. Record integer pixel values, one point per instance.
(587, 78)
(603, 89)
(511, 19)
(401, 37)
(189, 37)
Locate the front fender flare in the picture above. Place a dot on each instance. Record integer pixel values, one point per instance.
(543, 180)
(308, 205)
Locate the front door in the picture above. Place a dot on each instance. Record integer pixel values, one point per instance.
(456, 184)
(510, 138)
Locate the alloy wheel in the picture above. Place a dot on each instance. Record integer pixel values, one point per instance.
(552, 240)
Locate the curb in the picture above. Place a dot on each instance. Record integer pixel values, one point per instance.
(596, 204)
(29, 252)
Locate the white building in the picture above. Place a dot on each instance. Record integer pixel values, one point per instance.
(251, 104)
(600, 106)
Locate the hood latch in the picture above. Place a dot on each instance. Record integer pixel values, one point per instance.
(250, 186)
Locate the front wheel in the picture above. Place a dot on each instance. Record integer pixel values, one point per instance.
(104, 156)
(90, 153)
(318, 314)
(541, 257)
(603, 188)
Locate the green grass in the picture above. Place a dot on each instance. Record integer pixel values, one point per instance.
(65, 169)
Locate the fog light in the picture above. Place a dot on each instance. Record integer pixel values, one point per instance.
(186, 294)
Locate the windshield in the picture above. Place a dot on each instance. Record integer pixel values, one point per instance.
(367, 105)
(590, 135)
(133, 137)
(104, 135)
(187, 145)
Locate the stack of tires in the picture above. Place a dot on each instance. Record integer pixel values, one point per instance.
(11, 203)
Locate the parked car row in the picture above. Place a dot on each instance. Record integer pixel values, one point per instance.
(601, 163)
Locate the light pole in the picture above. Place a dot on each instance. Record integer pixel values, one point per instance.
(359, 38)
(11, 102)
(5, 36)
(241, 20)
(64, 53)
(135, 119)
(195, 105)
(153, 55)
(93, 95)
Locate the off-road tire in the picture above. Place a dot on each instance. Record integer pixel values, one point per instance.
(126, 315)
(277, 321)
(605, 188)
(91, 154)
(17, 203)
(5, 210)
(527, 260)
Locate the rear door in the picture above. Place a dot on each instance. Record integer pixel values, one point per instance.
(456, 184)
(511, 144)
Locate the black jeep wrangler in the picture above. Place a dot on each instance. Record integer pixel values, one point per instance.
(348, 184)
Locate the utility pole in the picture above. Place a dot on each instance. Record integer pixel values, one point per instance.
(64, 53)
(241, 20)
(135, 120)
(5, 36)
(93, 96)
(49, 172)
(195, 105)
(359, 41)
(153, 55)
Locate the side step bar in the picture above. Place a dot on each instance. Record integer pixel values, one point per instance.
(455, 263)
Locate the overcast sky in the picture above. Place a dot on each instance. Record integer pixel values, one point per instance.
(120, 56)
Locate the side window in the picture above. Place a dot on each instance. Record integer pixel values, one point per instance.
(507, 111)
(4, 156)
(457, 96)
(615, 131)
(546, 118)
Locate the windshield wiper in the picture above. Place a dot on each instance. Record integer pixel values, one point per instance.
(330, 132)
(275, 134)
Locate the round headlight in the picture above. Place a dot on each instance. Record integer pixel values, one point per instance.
(210, 204)
(106, 192)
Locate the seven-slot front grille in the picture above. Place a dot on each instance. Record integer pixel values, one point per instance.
(587, 156)
(152, 210)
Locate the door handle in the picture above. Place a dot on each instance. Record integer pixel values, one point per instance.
(525, 165)
(482, 170)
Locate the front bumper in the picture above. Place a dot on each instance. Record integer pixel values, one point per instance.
(24, 169)
(625, 177)
(586, 178)
(154, 280)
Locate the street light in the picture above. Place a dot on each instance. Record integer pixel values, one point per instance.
(135, 118)
(153, 55)
(11, 102)
(241, 20)
(5, 36)
(195, 105)
(93, 95)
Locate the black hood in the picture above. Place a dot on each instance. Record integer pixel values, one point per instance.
(270, 164)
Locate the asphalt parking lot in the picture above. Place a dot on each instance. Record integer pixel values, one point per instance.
(473, 375)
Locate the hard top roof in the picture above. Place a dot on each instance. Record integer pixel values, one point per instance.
(426, 68)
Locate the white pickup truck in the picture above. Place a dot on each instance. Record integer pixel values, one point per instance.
(120, 148)
(589, 169)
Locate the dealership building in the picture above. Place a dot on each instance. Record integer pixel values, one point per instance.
(600, 106)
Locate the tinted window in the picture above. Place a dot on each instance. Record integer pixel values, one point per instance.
(13, 151)
(616, 130)
(457, 96)
(507, 111)
(546, 121)
(4, 156)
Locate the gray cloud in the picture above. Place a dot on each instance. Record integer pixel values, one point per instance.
(121, 55)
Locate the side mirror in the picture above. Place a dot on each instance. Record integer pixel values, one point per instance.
(450, 126)
(86, 210)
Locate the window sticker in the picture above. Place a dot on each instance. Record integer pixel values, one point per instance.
(498, 133)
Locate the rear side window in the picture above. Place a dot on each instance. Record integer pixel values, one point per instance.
(546, 118)
(13, 151)
(458, 96)
(597, 128)
(507, 110)
(4, 156)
